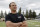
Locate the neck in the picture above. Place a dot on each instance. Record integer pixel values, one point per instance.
(13, 12)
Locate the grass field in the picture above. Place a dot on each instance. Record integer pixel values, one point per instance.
(31, 23)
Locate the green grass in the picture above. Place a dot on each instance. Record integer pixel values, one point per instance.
(31, 23)
(2, 24)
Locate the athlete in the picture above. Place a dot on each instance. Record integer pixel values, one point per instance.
(15, 19)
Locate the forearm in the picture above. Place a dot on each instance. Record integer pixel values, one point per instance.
(9, 25)
(25, 23)
(12, 25)
(16, 24)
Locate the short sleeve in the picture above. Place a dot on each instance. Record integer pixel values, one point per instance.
(7, 18)
(23, 19)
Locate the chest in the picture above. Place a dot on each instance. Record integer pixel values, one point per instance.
(16, 18)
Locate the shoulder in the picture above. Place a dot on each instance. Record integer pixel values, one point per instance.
(7, 15)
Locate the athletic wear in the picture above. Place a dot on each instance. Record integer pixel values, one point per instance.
(15, 18)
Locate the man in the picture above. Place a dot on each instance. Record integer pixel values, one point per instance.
(15, 19)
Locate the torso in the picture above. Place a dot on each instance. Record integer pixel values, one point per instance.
(15, 17)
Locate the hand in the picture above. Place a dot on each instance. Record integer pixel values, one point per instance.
(20, 23)
(23, 25)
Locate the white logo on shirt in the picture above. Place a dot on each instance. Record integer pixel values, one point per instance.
(19, 16)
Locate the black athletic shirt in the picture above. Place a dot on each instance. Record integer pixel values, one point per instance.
(15, 18)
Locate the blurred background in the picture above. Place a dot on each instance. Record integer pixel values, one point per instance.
(29, 8)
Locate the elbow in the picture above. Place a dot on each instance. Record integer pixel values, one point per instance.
(7, 23)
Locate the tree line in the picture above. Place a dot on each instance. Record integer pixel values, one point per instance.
(28, 14)
(2, 15)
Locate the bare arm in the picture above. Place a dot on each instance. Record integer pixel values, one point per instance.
(10, 24)
(25, 23)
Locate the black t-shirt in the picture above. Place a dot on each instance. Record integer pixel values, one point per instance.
(15, 18)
